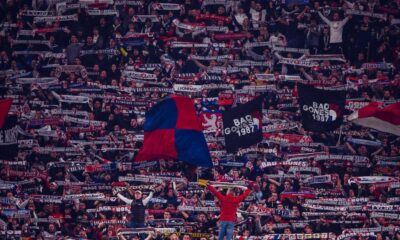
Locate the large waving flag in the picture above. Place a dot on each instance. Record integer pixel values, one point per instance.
(5, 105)
(383, 119)
(173, 130)
(8, 131)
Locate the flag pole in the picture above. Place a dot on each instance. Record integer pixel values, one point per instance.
(340, 135)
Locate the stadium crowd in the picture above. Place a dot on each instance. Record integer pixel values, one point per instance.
(82, 75)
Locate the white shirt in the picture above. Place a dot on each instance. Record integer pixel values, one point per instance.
(240, 18)
(335, 28)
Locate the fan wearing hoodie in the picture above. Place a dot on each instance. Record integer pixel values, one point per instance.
(229, 204)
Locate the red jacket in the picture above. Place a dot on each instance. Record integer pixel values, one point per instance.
(229, 204)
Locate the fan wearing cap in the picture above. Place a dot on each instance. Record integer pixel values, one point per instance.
(138, 207)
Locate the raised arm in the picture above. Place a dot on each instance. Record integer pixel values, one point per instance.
(125, 199)
(324, 18)
(244, 195)
(216, 193)
(199, 64)
(23, 204)
(148, 198)
(344, 21)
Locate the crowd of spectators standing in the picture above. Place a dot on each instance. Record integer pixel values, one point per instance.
(82, 75)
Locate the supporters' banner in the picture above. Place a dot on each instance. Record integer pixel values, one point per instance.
(242, 125)
(322, 110)
(172, 130)
(9, 137)
(383, 119)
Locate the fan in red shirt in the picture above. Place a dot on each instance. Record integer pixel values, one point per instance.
(229, 204)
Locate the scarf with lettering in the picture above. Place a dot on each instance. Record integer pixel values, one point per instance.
(34, 173)
(291, 50)
(71, 69)
(326, 57)
(298, 62)
(379, 65)
(167, 6)
(104, 12)
(371, 180)
(213, 17)
(249, 63)
(365, 13)
(128, 2)
(65, 18)
(230, 36)
(198, 209)
(34, 13)
(150, 179)
(210, 58)
(83, 121)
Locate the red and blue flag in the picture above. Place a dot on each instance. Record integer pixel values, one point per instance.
(173, 130)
